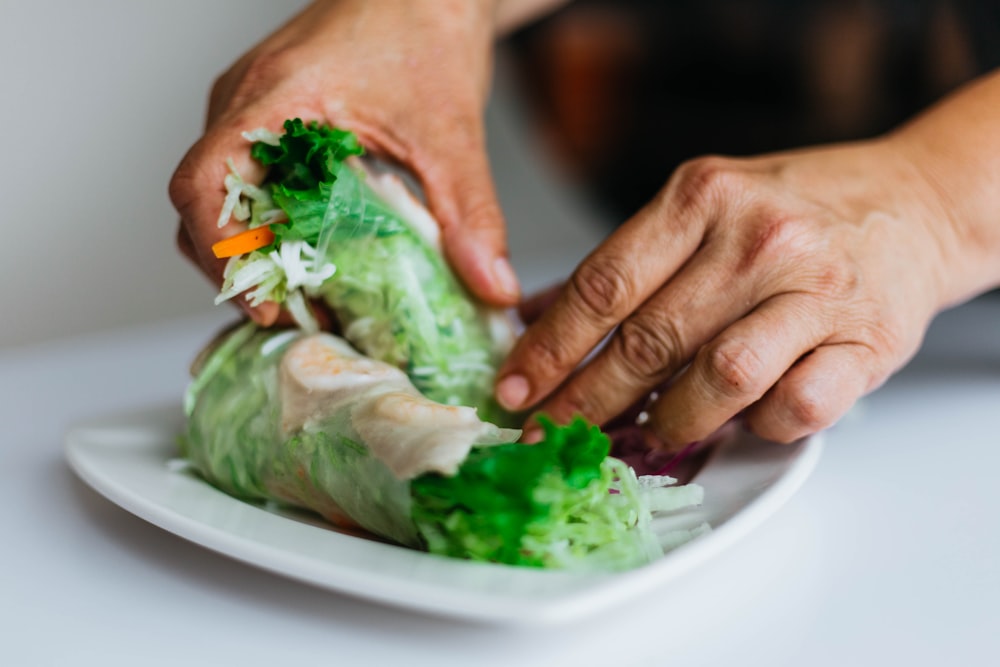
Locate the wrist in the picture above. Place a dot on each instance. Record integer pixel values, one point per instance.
(955, 146)
(947, 202)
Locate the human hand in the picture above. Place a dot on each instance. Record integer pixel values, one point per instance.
(409, 77)
(784, 286)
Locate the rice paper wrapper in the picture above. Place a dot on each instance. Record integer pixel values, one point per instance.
(308, 421)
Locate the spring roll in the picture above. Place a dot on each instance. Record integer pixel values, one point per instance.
(369, 250)
(308, 421)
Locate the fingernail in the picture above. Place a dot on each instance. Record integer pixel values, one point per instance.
(531, 435)
(506, 279)
(512, 392)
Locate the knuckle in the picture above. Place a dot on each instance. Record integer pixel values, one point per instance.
(881, 335)
(219, 93)
(575, 402)
(699, 181)
(807, 411)
(481, 214)
(262, 72)
(836, 279)
(646, 346)
(191, 180)
(547, 357)
(734, 368)
(779, 238)
(599, 284)
(181, 187)
(775, 237)
(707, 171)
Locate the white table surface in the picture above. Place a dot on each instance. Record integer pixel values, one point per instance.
(888, 556)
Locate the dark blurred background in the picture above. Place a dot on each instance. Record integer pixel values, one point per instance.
(623, 91)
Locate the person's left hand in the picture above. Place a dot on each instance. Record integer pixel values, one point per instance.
(786, 286)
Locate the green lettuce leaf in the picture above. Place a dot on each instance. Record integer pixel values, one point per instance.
(561, 503)
(308, 154)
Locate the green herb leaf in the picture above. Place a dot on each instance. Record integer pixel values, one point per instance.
(308, 154)
(545, 505)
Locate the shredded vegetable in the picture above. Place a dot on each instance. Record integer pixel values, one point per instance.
(245, 242)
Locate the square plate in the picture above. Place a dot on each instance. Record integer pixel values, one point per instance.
(129, 459)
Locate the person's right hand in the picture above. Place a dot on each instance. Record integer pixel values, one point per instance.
(409, 77)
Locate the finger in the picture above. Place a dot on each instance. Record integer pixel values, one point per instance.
(814, 393)
(736, 368)
(532, 307)
(197, 191)
(265, 315)
(653, 343)
(185, 244)
(608, 286)
(460, 192)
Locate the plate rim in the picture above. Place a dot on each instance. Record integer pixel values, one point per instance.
(601, 590)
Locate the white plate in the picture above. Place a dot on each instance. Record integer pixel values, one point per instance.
(127, 459)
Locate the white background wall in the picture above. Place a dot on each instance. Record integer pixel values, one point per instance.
(98, 102)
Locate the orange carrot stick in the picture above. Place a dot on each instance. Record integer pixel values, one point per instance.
(244, 242)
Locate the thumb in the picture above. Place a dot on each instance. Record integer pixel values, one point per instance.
(473, 232)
